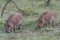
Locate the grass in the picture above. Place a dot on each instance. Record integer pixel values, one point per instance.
(28, 29)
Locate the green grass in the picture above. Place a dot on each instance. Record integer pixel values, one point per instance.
(29, 30)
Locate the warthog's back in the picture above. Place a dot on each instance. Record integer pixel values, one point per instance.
(48, 15)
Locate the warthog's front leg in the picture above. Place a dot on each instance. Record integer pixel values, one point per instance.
(14, 28)
(53, 23)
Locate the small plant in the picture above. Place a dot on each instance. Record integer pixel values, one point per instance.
(28, 11)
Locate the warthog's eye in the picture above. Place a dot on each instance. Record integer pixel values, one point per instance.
(7, 26)
(41, 22)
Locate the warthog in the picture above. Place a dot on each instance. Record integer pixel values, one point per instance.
(45, 18)
(13, 21)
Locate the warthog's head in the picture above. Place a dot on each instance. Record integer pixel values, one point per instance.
(8, 28)
(40, 23)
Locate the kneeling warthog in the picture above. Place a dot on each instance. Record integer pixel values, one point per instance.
(13, 21)
(45, 18)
